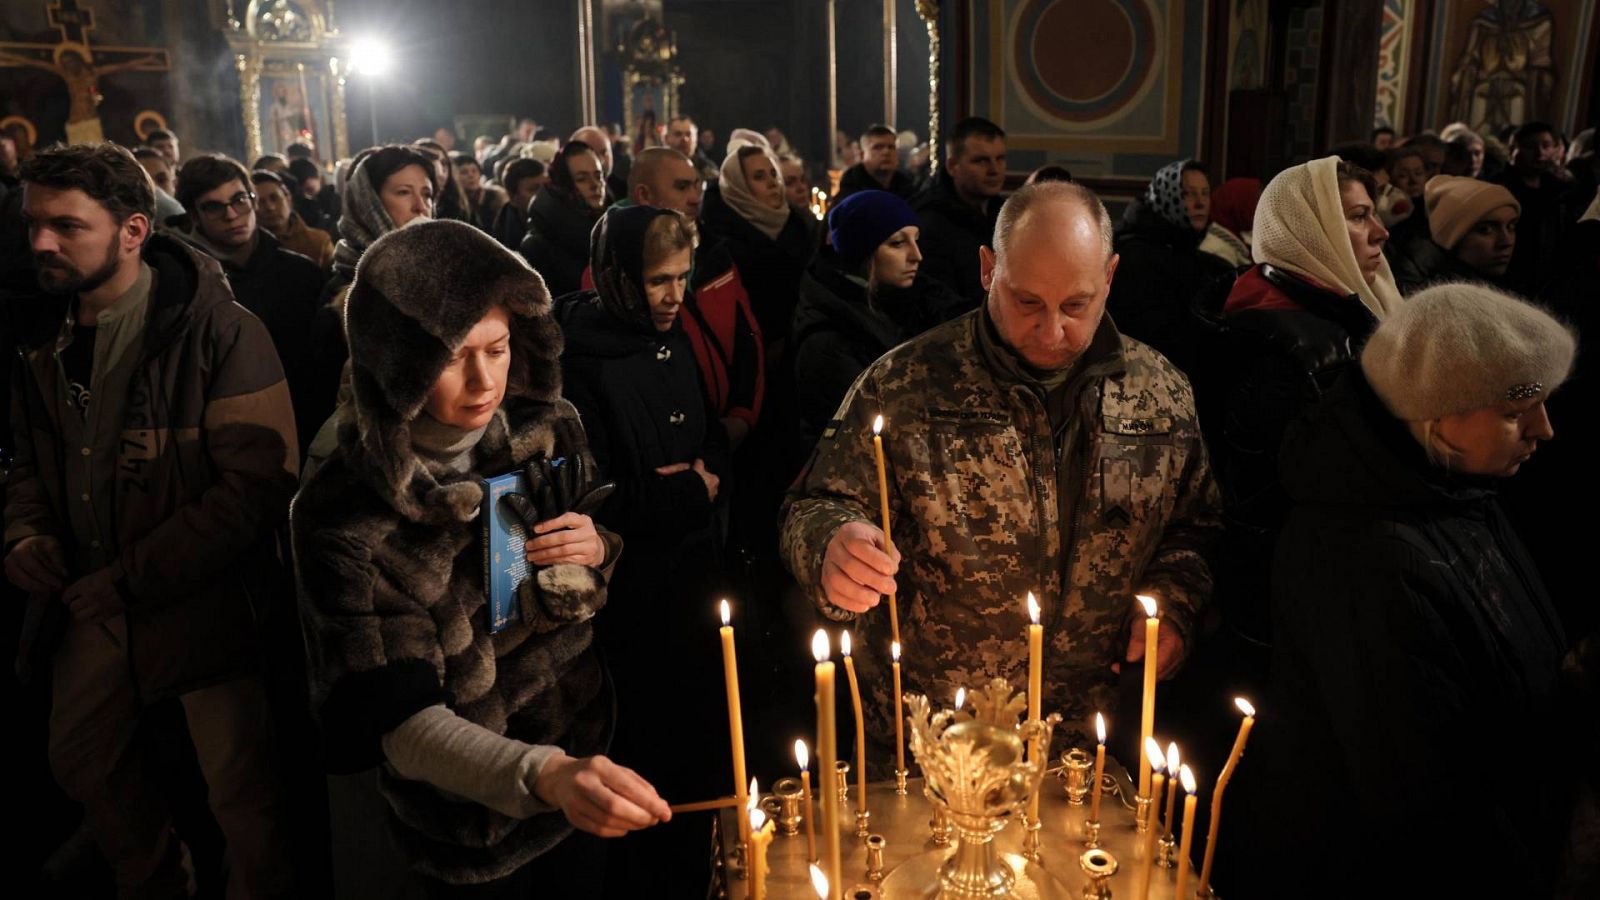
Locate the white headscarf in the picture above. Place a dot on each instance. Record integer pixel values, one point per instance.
(736, 191)
(1300, 227)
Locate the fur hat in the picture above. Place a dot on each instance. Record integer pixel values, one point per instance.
(864, 220)
(1456, 203)
(1455, 348)
(417, 293)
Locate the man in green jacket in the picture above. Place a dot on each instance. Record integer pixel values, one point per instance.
(155, 461)
(1030, 447)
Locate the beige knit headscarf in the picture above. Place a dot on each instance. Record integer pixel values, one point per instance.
(736, 191)
(1300, 227)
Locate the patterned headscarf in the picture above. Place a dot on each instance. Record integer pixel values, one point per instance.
(362, 220)
(1165, 194)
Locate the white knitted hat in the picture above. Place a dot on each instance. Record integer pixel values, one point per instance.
(1455, 348)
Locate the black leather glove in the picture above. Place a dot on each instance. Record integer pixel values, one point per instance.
(556, 488)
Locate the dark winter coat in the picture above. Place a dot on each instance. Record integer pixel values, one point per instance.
(770, 269)
(857, 179)
(284, 290)
(390, 558)
(839, 331)
(1287, 341)
(952, 232)
(1418, 262)
(1161, 272)
(204, 475)
(557, 242)
(1412, 632)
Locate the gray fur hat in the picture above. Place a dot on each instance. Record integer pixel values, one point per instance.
(417, 293)
(1455, 348)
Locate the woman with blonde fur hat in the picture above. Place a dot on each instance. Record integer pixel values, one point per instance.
(1411, 625)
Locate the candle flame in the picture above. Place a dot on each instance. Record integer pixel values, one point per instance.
(1100, 727)
(727, 614)
(1033, 608)
(1149, 604)
(1245, 706)
(894, 650)
(1187, 777)
(877, 425)
(758, 819)
(819, 646)
(755, 793)
(844, 642)
(819, 881)
(1152, 751)
(802, 755)
(961, 697)
(1172, 757)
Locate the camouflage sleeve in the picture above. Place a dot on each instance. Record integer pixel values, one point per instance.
(839, 485)
(1179, 573)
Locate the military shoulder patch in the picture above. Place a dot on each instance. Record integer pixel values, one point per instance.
(831, 430)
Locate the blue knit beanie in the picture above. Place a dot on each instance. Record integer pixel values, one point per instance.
(864, 220)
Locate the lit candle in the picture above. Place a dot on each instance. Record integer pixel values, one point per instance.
(899, 717)
(803, 757)
(1172, 784)
(1035, 685)
(1152, 755)
(819, 882)
(1147, 717)
(861, 726)
(1099, 766)
(1187, 777)
(828, 751)
(961, 698)
(1222, 785)
(888, 536)
(760, 837)
(730, 678)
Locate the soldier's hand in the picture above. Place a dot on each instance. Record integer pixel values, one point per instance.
(1169, 654)
(856, 570)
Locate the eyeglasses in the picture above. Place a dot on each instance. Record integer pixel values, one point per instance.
(240, 203)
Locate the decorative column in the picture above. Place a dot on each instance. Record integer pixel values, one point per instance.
(249, 67)
(891, 72)
(929, 11)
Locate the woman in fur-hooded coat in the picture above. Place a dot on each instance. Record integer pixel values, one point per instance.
(390, 561)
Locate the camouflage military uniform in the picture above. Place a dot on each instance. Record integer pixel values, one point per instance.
(973, 468)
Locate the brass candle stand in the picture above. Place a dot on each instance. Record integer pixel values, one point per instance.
(1143, 809)
(900, 782)
(787, 791)
(1099, 866)
(1077, 768)
(842, 772)
(875, 844)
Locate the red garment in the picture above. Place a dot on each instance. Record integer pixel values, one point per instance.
(1252, 291)
(726, 338)
(1233, 204)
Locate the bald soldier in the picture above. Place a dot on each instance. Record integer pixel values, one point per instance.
(1030, 447)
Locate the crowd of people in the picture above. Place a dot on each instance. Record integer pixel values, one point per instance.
(253, 410)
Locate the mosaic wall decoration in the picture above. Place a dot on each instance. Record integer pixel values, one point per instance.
(1118, 82)
(1394, 61)
(1300, 80)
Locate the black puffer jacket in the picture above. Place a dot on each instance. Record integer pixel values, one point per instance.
(1275, 362)
(557, 242)
(839, 331)
(1411, 631)
(1161, 271)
